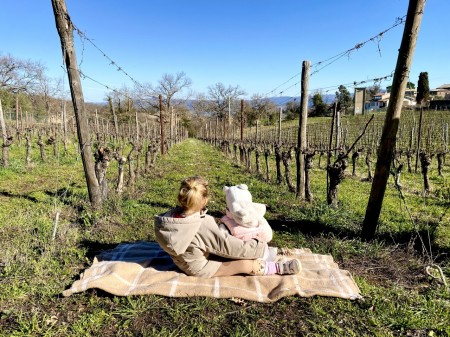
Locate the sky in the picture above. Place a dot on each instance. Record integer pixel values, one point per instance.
(258, 45)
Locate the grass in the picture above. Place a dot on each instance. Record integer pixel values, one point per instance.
(399, 298)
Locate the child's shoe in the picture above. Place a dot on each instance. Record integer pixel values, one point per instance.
(288, 267)
(261, 267)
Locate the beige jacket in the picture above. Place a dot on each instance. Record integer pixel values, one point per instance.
(197, 245)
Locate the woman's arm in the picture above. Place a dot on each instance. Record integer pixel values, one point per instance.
(223, 244)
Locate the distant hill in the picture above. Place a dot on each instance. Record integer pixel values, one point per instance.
(283, 100)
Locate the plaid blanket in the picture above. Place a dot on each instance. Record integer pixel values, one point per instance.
(144, 268)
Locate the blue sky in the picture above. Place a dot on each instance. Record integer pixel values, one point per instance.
(255, 44)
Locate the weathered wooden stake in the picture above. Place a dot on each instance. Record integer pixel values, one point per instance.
(392, 120)
(279, 125)
(419, 136)
(301, 136)
(55, 226)
(242, 120)
(161, 123)
(65, 30)
(6, 141)
(64, 118)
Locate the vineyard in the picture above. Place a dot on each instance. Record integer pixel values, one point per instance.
(50, 233)
(122, 155)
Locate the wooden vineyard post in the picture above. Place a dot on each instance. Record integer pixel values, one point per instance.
(242, 121)
(96, 122)
(392, 120)
(338, 132)
(279, 125)
(215, 130)
(419, 136)
(161, 124)
(302, 137)
(65, 30)
(171, 122)
(136, 119)
(6, 140)
(210, 129)
(229, 119)
(64, 118)
(445, 136)
(224, 127)
(21, 119)
(17, 112)
(330, 144)
(116, 125)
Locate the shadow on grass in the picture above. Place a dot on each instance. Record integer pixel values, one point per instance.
(93, 248)
(311, 228)
(12, 195)
(422, 242)
(156, 204)
(67, 196)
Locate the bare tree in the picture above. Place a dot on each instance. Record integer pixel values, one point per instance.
(201, 105)
(17, 75)
(199, 117)
(124, 99)
(145, 98)
(261, 107)
(45, 90)
(220, 96)
(169, 85)
(373, 90)
(221, 99)
(26, 81)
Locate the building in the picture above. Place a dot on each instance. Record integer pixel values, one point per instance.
(381, 100)
(359, 101)
(441, 92)
(444, 86)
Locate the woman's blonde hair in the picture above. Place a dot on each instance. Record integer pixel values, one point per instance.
(193, 191)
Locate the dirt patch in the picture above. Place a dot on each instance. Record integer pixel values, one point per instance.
(392, 267)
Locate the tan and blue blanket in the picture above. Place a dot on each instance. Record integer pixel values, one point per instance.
(142, 268)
